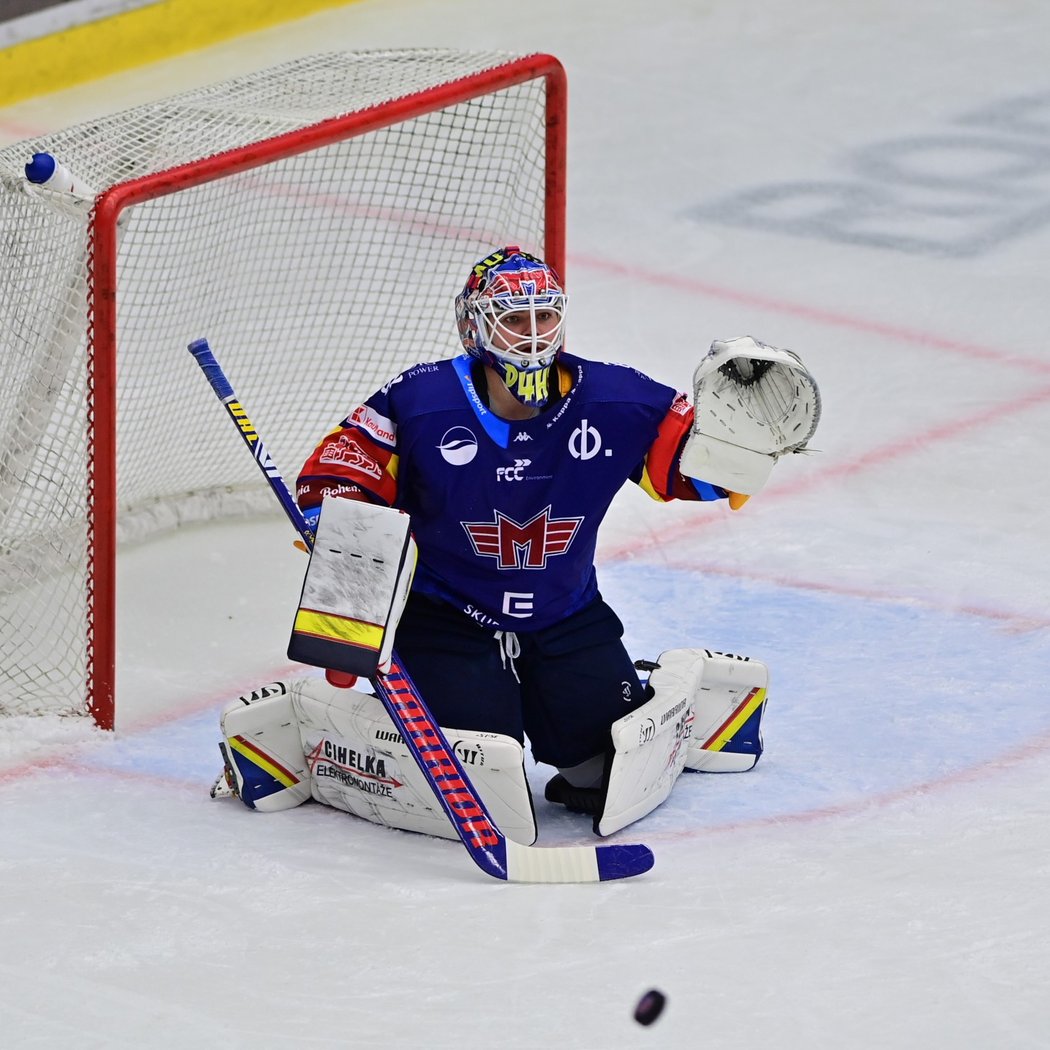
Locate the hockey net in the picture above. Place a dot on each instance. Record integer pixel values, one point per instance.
(313, 221)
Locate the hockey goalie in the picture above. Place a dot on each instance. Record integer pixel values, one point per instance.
(456, 513)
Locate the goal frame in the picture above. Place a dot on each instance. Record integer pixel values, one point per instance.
(103, 305)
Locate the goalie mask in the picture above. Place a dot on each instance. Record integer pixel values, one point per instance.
(511, 316)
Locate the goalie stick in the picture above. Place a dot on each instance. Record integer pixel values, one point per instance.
(490, 849)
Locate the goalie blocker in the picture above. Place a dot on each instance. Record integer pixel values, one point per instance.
(355, 588)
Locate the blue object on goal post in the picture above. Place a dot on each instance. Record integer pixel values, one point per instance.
(491, 850)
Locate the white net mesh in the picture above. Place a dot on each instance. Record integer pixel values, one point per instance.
(315, 278)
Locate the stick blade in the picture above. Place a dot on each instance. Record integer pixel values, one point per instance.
(576, 863)
(624, 862)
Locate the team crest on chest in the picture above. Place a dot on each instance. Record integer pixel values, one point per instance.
(522, 546)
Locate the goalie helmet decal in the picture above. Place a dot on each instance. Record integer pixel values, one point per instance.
(511, 316)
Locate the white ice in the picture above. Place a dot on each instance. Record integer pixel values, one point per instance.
(865, 183)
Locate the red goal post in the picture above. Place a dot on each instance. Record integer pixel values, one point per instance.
(321, 259)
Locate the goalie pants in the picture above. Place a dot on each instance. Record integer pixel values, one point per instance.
(563, 691)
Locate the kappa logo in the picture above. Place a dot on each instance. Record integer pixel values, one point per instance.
(458, 446)
(522, 546)
(522, 436)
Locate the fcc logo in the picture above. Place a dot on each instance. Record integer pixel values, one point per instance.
(515, 473)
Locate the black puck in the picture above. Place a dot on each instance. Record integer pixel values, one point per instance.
(650, 1006)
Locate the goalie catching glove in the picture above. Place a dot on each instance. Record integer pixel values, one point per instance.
(753, 403)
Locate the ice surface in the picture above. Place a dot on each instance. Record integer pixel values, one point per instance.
(865, 184)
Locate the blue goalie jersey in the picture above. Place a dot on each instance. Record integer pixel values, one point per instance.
(506, 514)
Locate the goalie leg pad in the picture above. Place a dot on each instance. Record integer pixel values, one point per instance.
(360, 764)
(727, 734)
(263, 750)
(650, 743)
(355, 589)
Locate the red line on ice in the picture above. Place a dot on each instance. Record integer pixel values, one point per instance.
(828, 318)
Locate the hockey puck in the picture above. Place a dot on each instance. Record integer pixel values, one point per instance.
(650, 1006)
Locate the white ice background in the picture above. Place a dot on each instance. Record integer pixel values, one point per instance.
(866, 183)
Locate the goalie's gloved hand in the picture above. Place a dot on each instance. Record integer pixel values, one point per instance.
(752, 404)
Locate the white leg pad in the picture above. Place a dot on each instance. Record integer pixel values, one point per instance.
(264, 751)
(649, 744)
(727, 734)
(360, 764)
